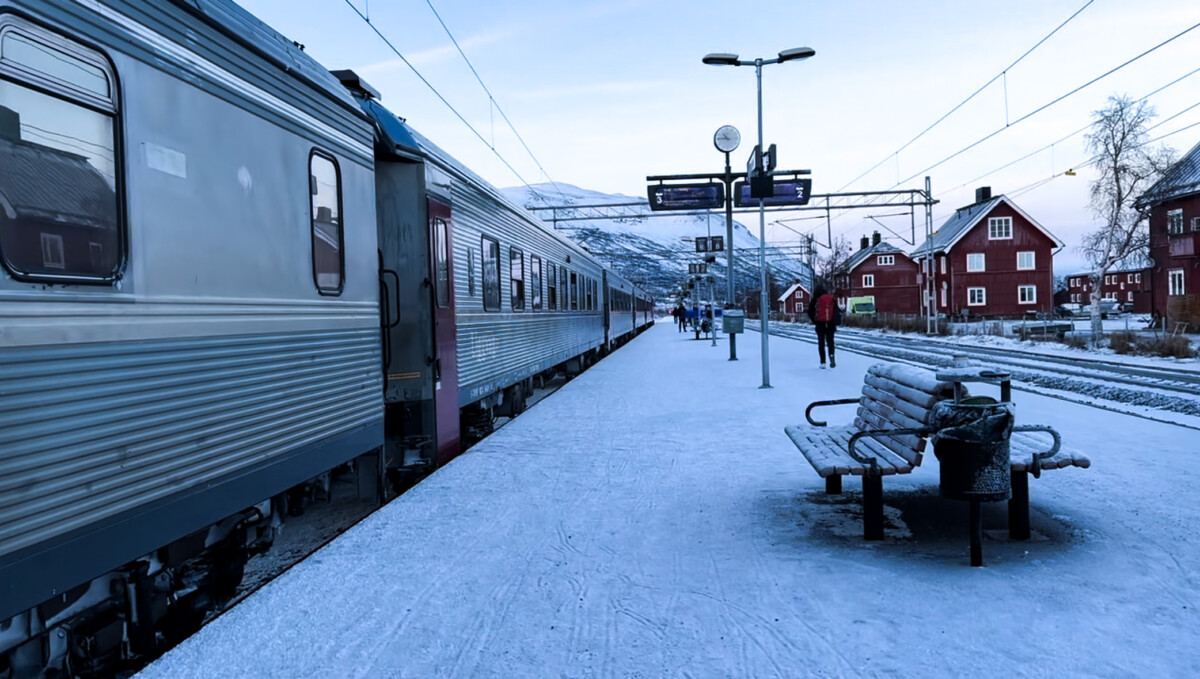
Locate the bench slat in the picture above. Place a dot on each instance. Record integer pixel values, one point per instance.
(916, 416)
(907, 446)
(826, 448)
(917, 379)
(1023, 445)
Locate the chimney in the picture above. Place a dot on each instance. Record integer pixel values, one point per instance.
(875, 238)
(10, 125)
(983, 193)
(864, 243)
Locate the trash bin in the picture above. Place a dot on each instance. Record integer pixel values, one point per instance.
(972, 445)
(733, 321)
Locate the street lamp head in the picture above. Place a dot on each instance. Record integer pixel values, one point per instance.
(796, 53)
(720, 59)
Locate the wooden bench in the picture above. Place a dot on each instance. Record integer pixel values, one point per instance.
(889, 436)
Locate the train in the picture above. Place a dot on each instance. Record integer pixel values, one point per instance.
(228, 271)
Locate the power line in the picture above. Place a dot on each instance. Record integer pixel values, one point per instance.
(1048, 105)
(433, 89)
(493, 101)
(969, 98)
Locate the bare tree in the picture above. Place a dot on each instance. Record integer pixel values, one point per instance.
(1126, 167)
(830, 263)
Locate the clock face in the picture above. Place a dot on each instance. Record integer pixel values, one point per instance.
(727, 138)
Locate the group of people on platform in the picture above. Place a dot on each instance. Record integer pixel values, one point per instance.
(823, 311)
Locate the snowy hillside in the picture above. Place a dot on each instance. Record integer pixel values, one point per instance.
(650, 247)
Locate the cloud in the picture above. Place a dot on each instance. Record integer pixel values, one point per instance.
(438, 54)
(618, 87)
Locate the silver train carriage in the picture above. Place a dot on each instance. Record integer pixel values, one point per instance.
(508, 298)
(189, 318)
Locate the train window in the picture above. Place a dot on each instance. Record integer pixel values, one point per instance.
(516, 274)
(441, 262)
(535, 281)
(59, 161)
(326, 190)
(551, 286)
(574, 291)
(491, 274)
(470, 272)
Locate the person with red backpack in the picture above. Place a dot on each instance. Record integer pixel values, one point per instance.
(823, 311)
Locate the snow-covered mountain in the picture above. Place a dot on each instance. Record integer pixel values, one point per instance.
(654, 249)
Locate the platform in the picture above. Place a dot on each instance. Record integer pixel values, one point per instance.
(651, 519)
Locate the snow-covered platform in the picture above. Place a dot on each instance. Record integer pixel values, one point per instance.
(651, 519)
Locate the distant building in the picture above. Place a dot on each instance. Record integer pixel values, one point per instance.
(1174, 203)
(795, 300)
(883, 272)
(990, 258)
(1131, 286)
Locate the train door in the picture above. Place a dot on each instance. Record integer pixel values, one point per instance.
(607, 309)
(445, 356)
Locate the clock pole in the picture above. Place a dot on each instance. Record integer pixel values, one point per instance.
(729, 287)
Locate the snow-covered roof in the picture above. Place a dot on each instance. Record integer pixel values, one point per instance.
(1132, 264)
(1182, 179)
(791, 291)
(965, 218)
(881, 248)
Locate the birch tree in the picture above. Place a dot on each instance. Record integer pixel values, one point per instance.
(1126, 166)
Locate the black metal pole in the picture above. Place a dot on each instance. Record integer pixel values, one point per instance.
(976, 534)
(729, 287)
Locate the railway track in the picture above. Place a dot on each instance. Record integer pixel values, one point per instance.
(1138, 390)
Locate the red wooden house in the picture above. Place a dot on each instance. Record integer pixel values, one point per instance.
(883, 272)
(991, 259)
(795, 300)
(1129, 286)
(1174, 204)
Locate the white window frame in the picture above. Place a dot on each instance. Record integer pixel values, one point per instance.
(868, 280)
(1000, 228)
(943, 264)
(1032, 259)
(943, 295)
(1137, 278)
(1129, 296)
(982, 296)
(982, 262)
(1175, 221)
(1195, 223)
(886, 260)
(1175, 282)
(1026, 294)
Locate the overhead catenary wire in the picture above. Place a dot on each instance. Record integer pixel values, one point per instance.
(366, 19)
(962, 103)
(493, 102)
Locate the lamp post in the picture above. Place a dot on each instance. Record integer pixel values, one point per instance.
(725, 59)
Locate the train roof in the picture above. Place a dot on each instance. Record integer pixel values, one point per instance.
(247, 29)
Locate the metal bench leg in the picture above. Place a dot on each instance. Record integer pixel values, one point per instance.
(833, 484)
(873, 506)
(1018, 507)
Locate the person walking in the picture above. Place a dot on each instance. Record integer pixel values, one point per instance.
(823, 311)
(681, 316)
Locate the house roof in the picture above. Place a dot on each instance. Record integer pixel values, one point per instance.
(45, 183)
(1182, 179)
(791, 291)
(964, 219)
(881, 248)
(1132, 264)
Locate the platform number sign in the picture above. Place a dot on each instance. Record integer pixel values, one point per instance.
(716, 243)
(701, 244)
(697, 268)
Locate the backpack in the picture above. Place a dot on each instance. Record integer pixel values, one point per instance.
(825, 308)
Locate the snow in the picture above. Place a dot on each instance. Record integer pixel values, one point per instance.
(651, 519)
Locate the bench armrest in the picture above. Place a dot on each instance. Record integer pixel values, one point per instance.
(817, 404)
(1035, 465)
(876, 433)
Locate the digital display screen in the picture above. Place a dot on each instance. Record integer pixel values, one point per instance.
(686, 196)
(790, 192)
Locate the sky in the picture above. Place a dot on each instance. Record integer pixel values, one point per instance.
(604, 94)
(679, 533)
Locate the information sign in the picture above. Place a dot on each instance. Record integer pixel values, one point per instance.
(685, 196)
(697, 268)
(789, 192)
(701, 244)
(716, 243)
